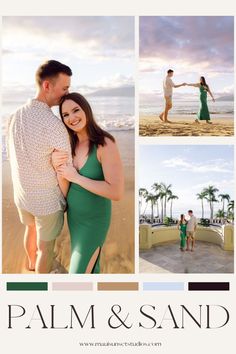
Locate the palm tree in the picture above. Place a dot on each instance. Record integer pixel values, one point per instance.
(171, 198)
(211, 198)
(220, 214)
(230, 211)
(202, 196)
(161, 196)
(224, 197)
(142, 194)
(166, 191)
(151, 198)
(157, 188)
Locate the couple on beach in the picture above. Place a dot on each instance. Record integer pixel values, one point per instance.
(62, 163)
(168, 84)
(187, 230)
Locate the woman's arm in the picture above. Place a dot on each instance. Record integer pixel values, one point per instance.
(113, 185)
(211, 94)
(194, 85)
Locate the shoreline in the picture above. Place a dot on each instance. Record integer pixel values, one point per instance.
(182, 125)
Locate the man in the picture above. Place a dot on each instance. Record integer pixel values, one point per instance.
(191, 228)
(33, 133)
(168, 91)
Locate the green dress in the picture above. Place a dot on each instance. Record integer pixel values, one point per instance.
(183, 236)
(88, 217)
(203, 113)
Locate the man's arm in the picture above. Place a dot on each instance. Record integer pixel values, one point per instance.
(193, 85)
(176, 86)
(59, 140)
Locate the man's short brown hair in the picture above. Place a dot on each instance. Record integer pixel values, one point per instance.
(51, 69)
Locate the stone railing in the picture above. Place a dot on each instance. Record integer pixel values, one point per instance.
(150, 236)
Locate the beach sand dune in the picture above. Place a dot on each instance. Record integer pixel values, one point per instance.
(118, 252)
(185, 126)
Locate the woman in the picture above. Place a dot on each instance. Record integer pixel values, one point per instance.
(203, 113)
(182, 226)
(96, 178)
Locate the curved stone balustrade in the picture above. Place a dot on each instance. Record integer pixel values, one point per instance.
(150, 236)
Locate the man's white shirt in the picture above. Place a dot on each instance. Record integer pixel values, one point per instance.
(168, 86)
(33, 133)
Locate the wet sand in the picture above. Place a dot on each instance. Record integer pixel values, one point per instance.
(185, 126)
(118, 252)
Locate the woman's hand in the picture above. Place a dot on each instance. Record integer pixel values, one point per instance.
(68, 172)
(59, 157)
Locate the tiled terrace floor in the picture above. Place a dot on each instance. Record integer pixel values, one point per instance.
(167, 258)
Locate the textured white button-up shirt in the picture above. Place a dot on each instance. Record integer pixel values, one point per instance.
(168, 86)
(192, 223)
(33, 133)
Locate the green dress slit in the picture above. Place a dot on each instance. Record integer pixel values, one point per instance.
(203, 113)
(183, 236)
(88, 217)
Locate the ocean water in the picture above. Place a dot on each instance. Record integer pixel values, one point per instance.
(151, 105)
(111, 113)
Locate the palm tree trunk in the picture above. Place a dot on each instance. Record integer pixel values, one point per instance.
(157, 209)
(162, 209)
(145, 209)
(211, 218)
(165, 207)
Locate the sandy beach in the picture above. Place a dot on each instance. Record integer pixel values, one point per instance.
(118, 251)
(185, 126)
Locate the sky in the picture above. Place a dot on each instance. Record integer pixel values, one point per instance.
(188, 169)
(99, 50)
(192, 46)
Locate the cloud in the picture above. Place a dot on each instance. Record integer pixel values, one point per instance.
(203, 41)
(221, 185)
(113, 86)
(228, 89)
(217, 165)
(100, 36)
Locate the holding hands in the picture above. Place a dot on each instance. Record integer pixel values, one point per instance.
(59, 157)
(68, 172)
(63, 169)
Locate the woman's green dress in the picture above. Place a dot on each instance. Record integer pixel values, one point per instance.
(203, 113)
(183, 235)
(88, 217)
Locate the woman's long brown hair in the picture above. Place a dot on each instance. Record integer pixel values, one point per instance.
(96, 134)
(204, 84)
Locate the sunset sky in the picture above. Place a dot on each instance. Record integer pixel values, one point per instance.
(99, 50)
(192, 46)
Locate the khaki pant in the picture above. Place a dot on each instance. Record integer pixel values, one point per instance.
(48, 227)
(191, 234)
